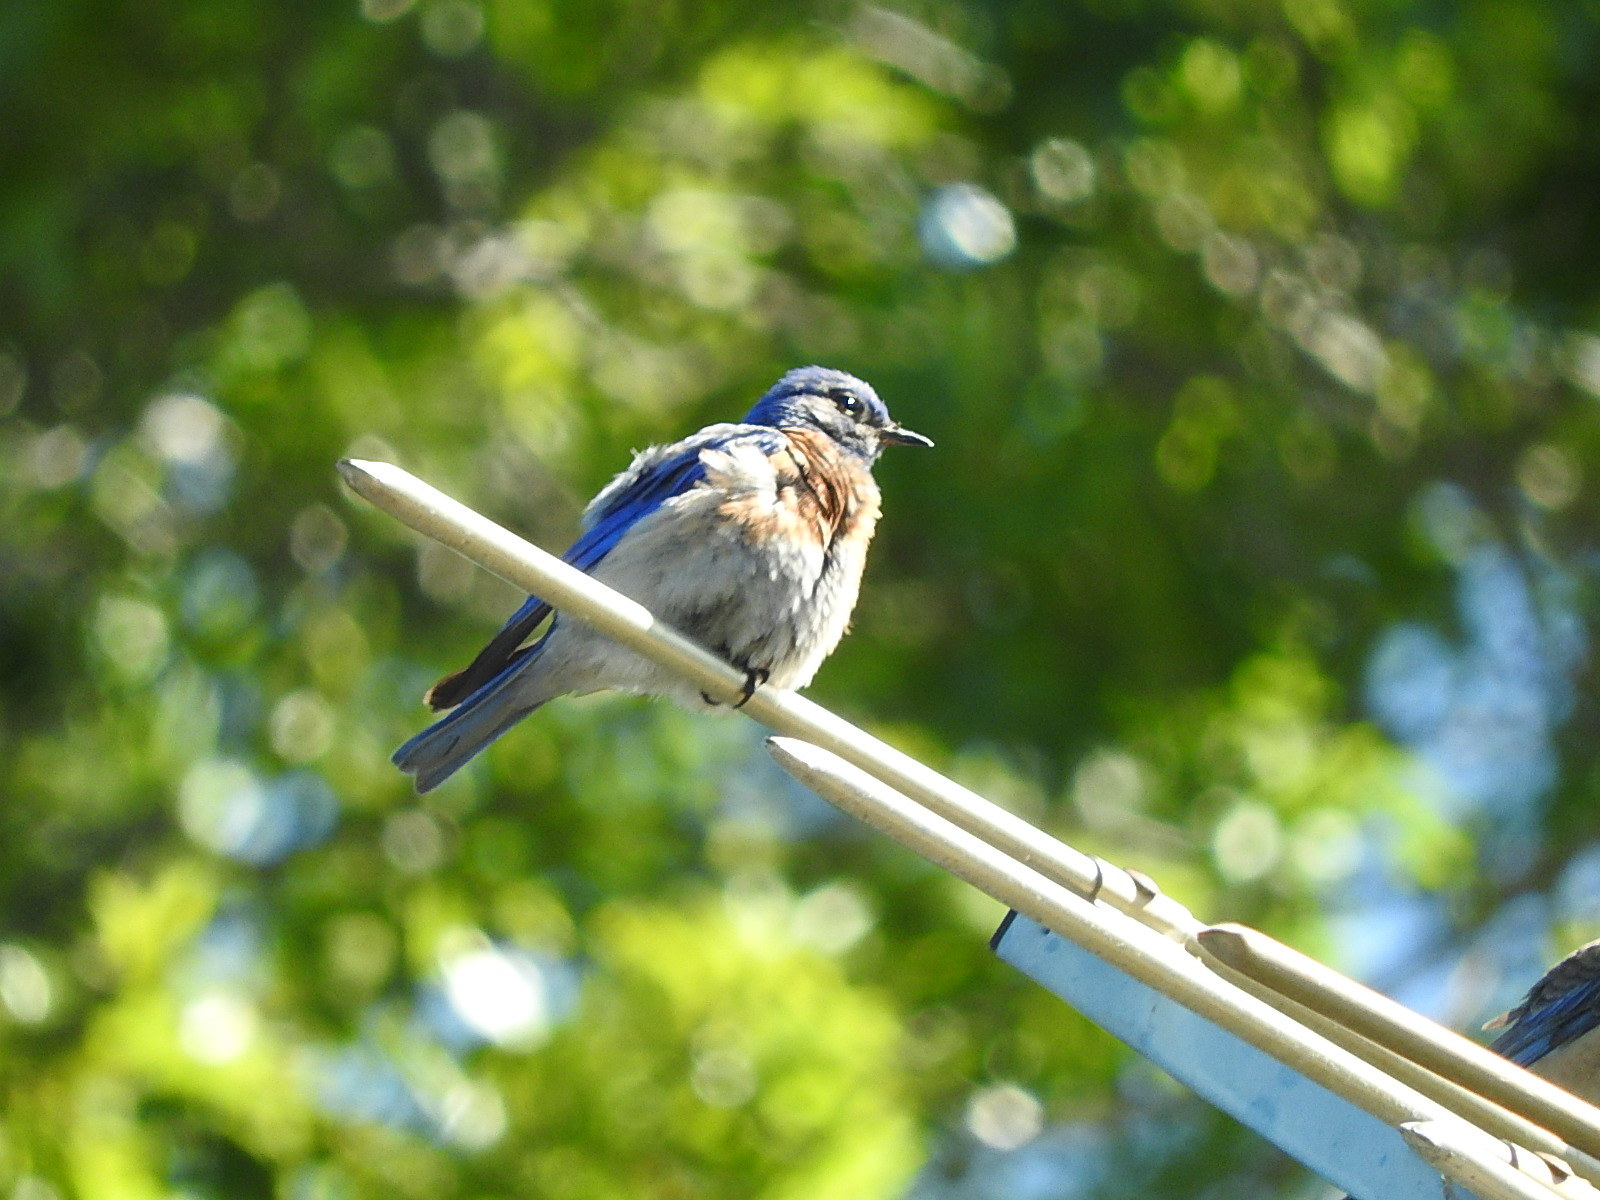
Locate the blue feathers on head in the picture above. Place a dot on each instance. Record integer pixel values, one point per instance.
(785, 403)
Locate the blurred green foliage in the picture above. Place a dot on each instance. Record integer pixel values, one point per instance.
(1260, 343)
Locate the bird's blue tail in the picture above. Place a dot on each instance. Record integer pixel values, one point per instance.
(447, 745)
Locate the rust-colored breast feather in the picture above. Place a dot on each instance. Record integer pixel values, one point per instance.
(831, 494)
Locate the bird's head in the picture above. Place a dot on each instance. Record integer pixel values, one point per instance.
(839, 405)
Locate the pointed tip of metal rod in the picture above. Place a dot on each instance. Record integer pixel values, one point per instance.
(1430, 1134)
(365, 476)
(352, 470)
(820, 770)
(1228, 942)
(800, 759)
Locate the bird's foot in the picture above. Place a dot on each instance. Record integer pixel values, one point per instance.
(754, 677)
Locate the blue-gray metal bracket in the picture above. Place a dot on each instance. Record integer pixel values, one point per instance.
(1337, 1140)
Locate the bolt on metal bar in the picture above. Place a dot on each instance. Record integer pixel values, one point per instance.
(1137, 951)
(451, 523)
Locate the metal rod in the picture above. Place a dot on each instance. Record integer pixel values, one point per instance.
(451, 523)
(1375, 1016)
(1510, 1175)
(1129, 946)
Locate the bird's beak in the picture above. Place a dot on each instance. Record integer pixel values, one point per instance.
(896, 435)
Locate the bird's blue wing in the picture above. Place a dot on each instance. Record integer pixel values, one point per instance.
(655, 477)
(616, 511)
(1537, 1032)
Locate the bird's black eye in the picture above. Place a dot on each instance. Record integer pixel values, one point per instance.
(847, 401)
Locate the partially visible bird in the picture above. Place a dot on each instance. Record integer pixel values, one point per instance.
(750, 538)
(1553, 1031)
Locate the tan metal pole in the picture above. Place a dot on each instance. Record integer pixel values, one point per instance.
(451, 523)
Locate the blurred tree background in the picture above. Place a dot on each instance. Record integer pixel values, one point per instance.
(1261, 342)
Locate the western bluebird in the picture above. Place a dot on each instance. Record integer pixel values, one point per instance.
(750, 538)
(1553, 1031)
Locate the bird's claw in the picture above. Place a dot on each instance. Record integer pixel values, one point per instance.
(754, 677)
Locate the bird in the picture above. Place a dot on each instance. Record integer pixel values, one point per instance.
(1552, 1032)
(750, 538)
